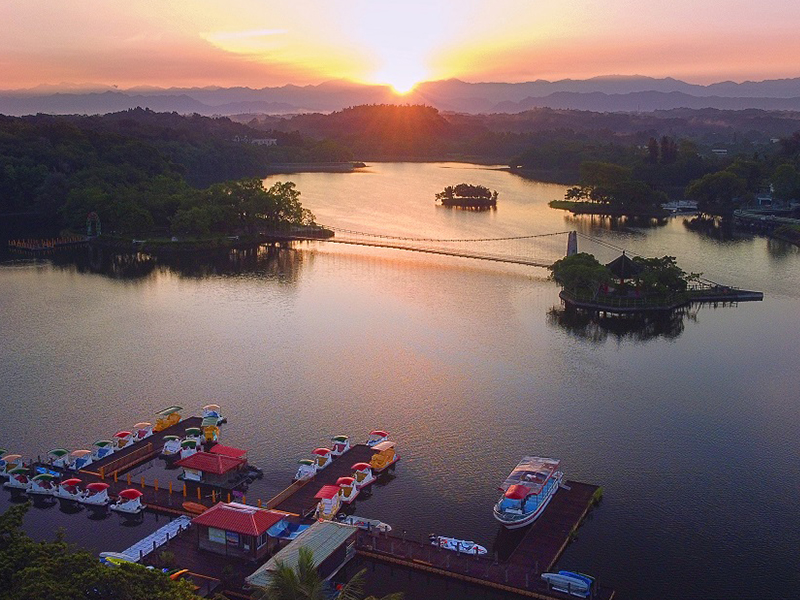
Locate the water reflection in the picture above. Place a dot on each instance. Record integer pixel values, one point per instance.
(588, 223)
(715, 228)
(597, 328)
(272, 262)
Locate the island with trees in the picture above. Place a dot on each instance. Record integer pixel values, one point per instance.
(465, 195)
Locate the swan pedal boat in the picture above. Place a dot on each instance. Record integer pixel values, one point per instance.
(456, 545)
(129, 502)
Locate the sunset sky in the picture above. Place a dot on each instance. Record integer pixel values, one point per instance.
(259, 43)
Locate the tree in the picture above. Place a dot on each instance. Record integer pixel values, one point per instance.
(662, 275)
(786, 182)
(580, 272)
(32, 570)
(716, 192)
(304, 583)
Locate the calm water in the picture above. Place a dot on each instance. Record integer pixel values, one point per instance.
(691, 428)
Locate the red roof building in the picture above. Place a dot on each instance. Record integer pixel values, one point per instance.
(235, 529)
(212, 469)
(228, 451)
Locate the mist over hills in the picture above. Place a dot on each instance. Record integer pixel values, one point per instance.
(602, 94)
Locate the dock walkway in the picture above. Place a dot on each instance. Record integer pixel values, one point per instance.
(301, 501)
(157, 539)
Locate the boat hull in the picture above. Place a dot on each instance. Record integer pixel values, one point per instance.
(531, 517)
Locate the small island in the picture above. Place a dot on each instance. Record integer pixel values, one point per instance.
(465, 195)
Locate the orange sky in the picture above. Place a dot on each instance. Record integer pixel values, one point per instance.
(260, 43)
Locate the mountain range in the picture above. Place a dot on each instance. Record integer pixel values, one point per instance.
(601, 94)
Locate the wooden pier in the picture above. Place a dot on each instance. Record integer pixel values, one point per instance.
(40, 246)
(299, 499)
(536, 552)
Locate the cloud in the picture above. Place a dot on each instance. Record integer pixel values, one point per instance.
(221, 36)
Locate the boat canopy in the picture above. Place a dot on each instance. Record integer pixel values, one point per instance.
(379, 432)
(532, 472)
(170, 438)
(384, 446)
(189, 444)
(339, 438)
(103, 443)
(18, 471)
(209, 422)
(98, 486)
(12, 457)
(169, 410)
(79, 453)
(327, 492)
(59, 452)
(142, 425)
(517, 492)
(71, 482)
(210, 407)
(44, 477)
(194, 431)
(321, 451)
(130, 494)
(361, 466)
(122, 434)
(306, 461)
(345, 481)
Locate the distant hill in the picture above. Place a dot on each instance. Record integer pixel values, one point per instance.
(604, 94)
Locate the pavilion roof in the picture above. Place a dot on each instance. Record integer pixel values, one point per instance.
(623, 267)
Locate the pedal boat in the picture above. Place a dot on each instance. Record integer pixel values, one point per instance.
(69, 491)
(306, 470)
(58, 457)
(323, 457)
(210, 427)
(172, 447)
(96, 494)
(456, 545)
(102, 448)
(123, 439)
(362, 523)
(78, 459)
(347, 489)
(376, 436)
(189, 447)
(8, 463)
(167, 418)
(527, 491)
(18, 480)
(341, 444)
(142, 431)
(129, 502)
(329, 502)
(362, 473)
(384, 456)
(43, 484)
(213, 410)
(194, 434)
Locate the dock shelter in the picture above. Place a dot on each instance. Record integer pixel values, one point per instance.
(332, 545)
(212, 468)
(234, 529)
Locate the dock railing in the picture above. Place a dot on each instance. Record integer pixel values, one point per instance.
(123, 463)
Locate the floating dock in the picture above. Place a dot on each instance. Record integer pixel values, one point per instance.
(157, 539)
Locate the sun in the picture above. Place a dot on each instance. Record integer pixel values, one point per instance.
(402, 76)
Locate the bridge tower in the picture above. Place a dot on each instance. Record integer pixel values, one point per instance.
(572, 243)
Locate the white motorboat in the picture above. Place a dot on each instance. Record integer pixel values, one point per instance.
(456, 545)
(347, 489)
(341, 444)
(569, 582)
(362, 473)
(129, 502)
(527, 491)
(306, 470)
(361, 522)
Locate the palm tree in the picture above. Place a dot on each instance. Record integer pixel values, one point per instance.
(304, 583)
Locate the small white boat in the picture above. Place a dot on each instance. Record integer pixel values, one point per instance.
(69, 490)
(43, 484)
(172, 446)
(102, 448)
(18, 480)
(456, 545)
(58, 457)
(323, 457)
(376, 436)
(129, 502)
(329, 502)
(347, 489)
(306, 470)
(78, 459)
(361, 522)
(568, 582)
(96, 494)
(341, 444)
(9, 462)
(123, 438)
(189, 447)
(142, 431)
(362, 473)
(194, 434)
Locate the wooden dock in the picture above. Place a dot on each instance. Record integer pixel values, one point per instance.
(40, 246)
(299, 499)
(537, 550)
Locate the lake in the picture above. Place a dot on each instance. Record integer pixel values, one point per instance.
(690, 427)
